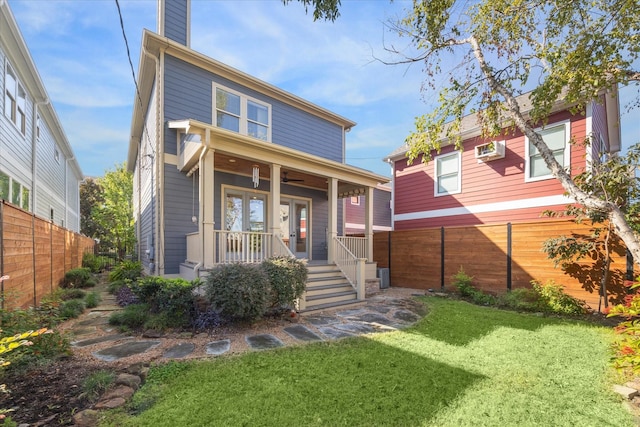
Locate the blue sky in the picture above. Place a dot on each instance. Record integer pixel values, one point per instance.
(79, 51)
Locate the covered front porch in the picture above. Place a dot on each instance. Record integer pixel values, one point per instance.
(292, 224)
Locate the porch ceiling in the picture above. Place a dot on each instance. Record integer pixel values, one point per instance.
(237, 154)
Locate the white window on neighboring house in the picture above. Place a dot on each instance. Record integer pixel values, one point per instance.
(355, 200)
(447, 173)
(238, 113)
(556, 137)
(15, 100)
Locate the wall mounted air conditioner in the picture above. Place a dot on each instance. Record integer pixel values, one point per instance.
(489, 151)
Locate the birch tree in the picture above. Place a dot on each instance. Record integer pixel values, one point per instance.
(570, 50)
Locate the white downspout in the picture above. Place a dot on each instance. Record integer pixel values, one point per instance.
(154, 193)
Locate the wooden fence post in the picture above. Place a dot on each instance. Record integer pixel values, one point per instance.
(509, 236)
(442, 258)
(2, 251)
(33, 256)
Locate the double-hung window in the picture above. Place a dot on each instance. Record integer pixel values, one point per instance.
(447, 173)
(15, 100)
(239, 113)
(557, 139)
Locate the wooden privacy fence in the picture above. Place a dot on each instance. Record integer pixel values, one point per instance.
(35, 254)
(499, 257)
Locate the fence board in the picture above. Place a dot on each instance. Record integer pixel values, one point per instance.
(482, 252)
(35, 255)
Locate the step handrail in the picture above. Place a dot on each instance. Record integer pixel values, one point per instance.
(351, 266)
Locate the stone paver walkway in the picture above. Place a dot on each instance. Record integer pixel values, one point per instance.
(388, 310)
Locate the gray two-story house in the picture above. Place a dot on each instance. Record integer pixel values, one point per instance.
(229, 168)
(38, 170)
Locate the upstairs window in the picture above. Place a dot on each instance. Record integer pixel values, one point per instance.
(557, 139)
(15, 100)
(447, 172)
(239, 113)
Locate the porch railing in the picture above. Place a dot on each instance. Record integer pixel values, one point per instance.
(356, 245)
(351, 266)
(239, 246)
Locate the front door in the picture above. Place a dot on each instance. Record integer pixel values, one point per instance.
(295, 226)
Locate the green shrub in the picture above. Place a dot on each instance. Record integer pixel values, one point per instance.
(133, 316)
(521, 299)
(78, 278)
(94, 263)
(71, 293)
(171, 296)
(238, 291)
(71, 309)
(554, 300)
(127, 269)
(287, 280)
(97, 383)
(115, 286)
(92, 300)
(45, 347)
(464, 283)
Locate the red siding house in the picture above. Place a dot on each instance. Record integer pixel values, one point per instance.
(503, 179)
(354, 212)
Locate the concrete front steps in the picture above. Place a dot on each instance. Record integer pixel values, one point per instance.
(327, 288)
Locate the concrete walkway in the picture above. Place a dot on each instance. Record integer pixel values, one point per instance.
(93, 337)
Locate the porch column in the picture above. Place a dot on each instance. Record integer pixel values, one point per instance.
(332, 225)
(368, 222)
(206, 225)
(273, 208)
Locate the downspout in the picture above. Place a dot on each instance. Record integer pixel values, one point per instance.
(34, 141)
(155, 156)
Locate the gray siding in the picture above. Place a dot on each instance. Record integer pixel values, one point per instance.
(188, 95)
(50, 184)
(178, 210)
(145, 176)
(175, 24)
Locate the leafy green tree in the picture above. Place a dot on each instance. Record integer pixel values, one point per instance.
(322, 9)
(575, 51)
(90, 197)
(572, 50)
(115, 214)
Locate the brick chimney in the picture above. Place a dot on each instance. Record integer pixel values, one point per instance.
(174, 20)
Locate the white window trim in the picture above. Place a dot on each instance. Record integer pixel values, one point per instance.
(435, 174)
(355, 200)
(18, 114)
(244, 119)
(567, 151)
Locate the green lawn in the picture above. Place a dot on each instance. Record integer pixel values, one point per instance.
(462, 365)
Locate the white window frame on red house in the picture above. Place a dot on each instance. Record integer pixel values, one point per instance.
(436, 175)
(246, 120)
(565, 151)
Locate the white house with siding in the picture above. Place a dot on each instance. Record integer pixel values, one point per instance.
(38, 170)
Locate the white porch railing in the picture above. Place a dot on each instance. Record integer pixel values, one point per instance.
(356, 245)
(351, 266)
(238, 246)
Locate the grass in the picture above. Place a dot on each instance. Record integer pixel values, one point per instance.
(462, 365)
